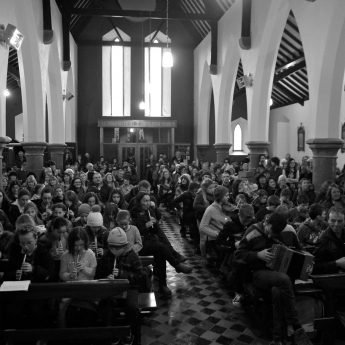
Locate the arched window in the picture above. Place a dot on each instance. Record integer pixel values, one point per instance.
(116, 77)
(157, 78)
(238, 138)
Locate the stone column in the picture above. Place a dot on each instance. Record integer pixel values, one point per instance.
(201, 151)
(256, 149)
(222, 151)
(324, 158)
(34, 152)
(56, 154)
(3, 142)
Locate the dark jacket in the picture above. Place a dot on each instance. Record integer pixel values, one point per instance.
(129, 266)
(255, 240)
(331, 249)
(101, 235)
(187, 199)
(103, 193)
(43, 264)
(141, 217)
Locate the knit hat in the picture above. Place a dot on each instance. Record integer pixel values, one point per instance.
(69, 172)
(220, 192)
(94, 219)
(96, 208)
(84, 208)
(117, 237)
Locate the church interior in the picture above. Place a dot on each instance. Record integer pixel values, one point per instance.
(172, 172)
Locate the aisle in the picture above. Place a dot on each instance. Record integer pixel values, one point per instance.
(200, 311)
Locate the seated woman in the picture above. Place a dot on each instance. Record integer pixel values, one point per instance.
(155, 242)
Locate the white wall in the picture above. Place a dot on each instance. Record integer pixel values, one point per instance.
(19, 127)
(284, 123)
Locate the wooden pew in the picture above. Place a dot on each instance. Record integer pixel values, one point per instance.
(333, 286)
(90, 290)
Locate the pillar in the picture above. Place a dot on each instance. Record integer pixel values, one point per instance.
(222, 151)
(256, 149)
(57, 153)
(34, 152)
(324, 159)
(3, 142)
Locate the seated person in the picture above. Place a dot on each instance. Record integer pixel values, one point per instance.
(273, 202)
(254, 251)
(310, 231)
(97, 233)
(29, 260)
(83, 212)
(6, 238)
(330, 255)
(123, 220)
(55, 241)
(121, 262)
(299, 214)
(155, 242)
(79, 262)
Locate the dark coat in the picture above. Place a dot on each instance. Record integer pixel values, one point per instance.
(129, 266)
(43, 264)
(330, 249)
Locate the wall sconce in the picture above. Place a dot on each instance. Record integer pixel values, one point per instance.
(11, 36)
(6, 93)
(67, 95)
(245, 81)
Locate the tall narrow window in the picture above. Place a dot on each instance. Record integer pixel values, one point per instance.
(157, 78)
(116, 87)
(238, 138)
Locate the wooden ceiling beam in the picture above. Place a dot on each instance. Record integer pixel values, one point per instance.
(155, 15)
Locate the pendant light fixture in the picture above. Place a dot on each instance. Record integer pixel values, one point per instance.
(167, 61)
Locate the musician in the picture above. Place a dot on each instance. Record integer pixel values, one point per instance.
(330, 255)
(29, 260)
(254, 250)
(309, 232)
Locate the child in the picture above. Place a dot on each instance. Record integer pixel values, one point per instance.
(188, 215)
(132, 232)
(97, 233)
(122, 262)
(31, 209)
(83, 212)
(55, 241)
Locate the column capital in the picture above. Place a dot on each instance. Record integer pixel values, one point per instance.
(258, 147)
(34, 147)
(202, 146)
(325, 147)
(56, 147)
(222, 146)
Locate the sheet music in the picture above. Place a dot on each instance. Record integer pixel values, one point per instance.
(21, 285)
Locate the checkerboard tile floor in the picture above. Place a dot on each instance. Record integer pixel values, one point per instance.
(200, 311)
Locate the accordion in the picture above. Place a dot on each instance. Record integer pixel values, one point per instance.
(297, 264)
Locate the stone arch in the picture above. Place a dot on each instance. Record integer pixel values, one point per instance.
(32, 73)
(322, 29)
(261, 64)
(224, 101)
(204, 106)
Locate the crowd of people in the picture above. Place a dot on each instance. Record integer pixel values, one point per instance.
(94, 220)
